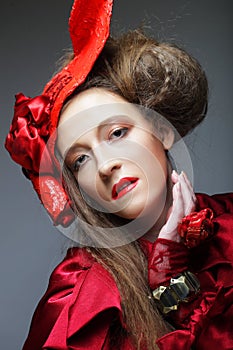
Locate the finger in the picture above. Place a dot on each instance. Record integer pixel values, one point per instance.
(188, 195)
(174, 176)
(169, 230)
(177, 211)
(189, 186)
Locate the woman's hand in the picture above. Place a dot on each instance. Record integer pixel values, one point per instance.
(184, 201)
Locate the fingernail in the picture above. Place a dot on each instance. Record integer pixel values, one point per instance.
(174, 173)
(182, 175)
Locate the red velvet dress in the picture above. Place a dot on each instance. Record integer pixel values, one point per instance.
(82, 298)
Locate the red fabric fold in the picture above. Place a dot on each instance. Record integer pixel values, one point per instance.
(81, 299)
(178, 340)
(26, 141)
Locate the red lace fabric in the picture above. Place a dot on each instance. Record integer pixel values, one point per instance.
(165, 260)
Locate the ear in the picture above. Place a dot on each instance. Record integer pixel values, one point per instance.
(167, 136)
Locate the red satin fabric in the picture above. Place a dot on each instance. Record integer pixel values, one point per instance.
(26, 143)
(82, 298)
(76, 311)
(28, 132)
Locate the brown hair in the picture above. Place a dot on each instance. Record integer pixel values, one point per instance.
(166, 79)
(156, 75)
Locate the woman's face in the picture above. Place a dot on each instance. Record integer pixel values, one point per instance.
(113, 153)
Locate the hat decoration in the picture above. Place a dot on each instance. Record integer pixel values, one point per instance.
(36, 119)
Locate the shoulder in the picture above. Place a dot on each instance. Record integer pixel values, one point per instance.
(220, 203)
(80, 290)
(217, 252)
(221, 243)
(222, 206)
(90, 287)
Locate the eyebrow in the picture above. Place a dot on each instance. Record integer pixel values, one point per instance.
(116, 119)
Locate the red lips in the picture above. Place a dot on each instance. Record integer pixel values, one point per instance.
(125, 185)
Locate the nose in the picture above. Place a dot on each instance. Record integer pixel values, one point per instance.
(108, 168)
(107, 160)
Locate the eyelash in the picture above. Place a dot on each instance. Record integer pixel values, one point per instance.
(76, 166)
(123, 131)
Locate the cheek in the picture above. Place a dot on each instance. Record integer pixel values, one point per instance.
(152, 160)
(86, 179)
(156, 177)
(154, 190)
(91, 188)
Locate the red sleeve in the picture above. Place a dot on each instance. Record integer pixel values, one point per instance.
(78, 308)
(165, 260)
(206, 322)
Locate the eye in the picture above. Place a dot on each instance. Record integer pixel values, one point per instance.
(118, 133)
(78, 162)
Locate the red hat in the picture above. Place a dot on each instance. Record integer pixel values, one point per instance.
(35, 119)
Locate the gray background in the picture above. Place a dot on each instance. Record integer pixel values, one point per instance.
(32, 37)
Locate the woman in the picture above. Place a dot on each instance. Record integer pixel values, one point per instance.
(112, 153)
